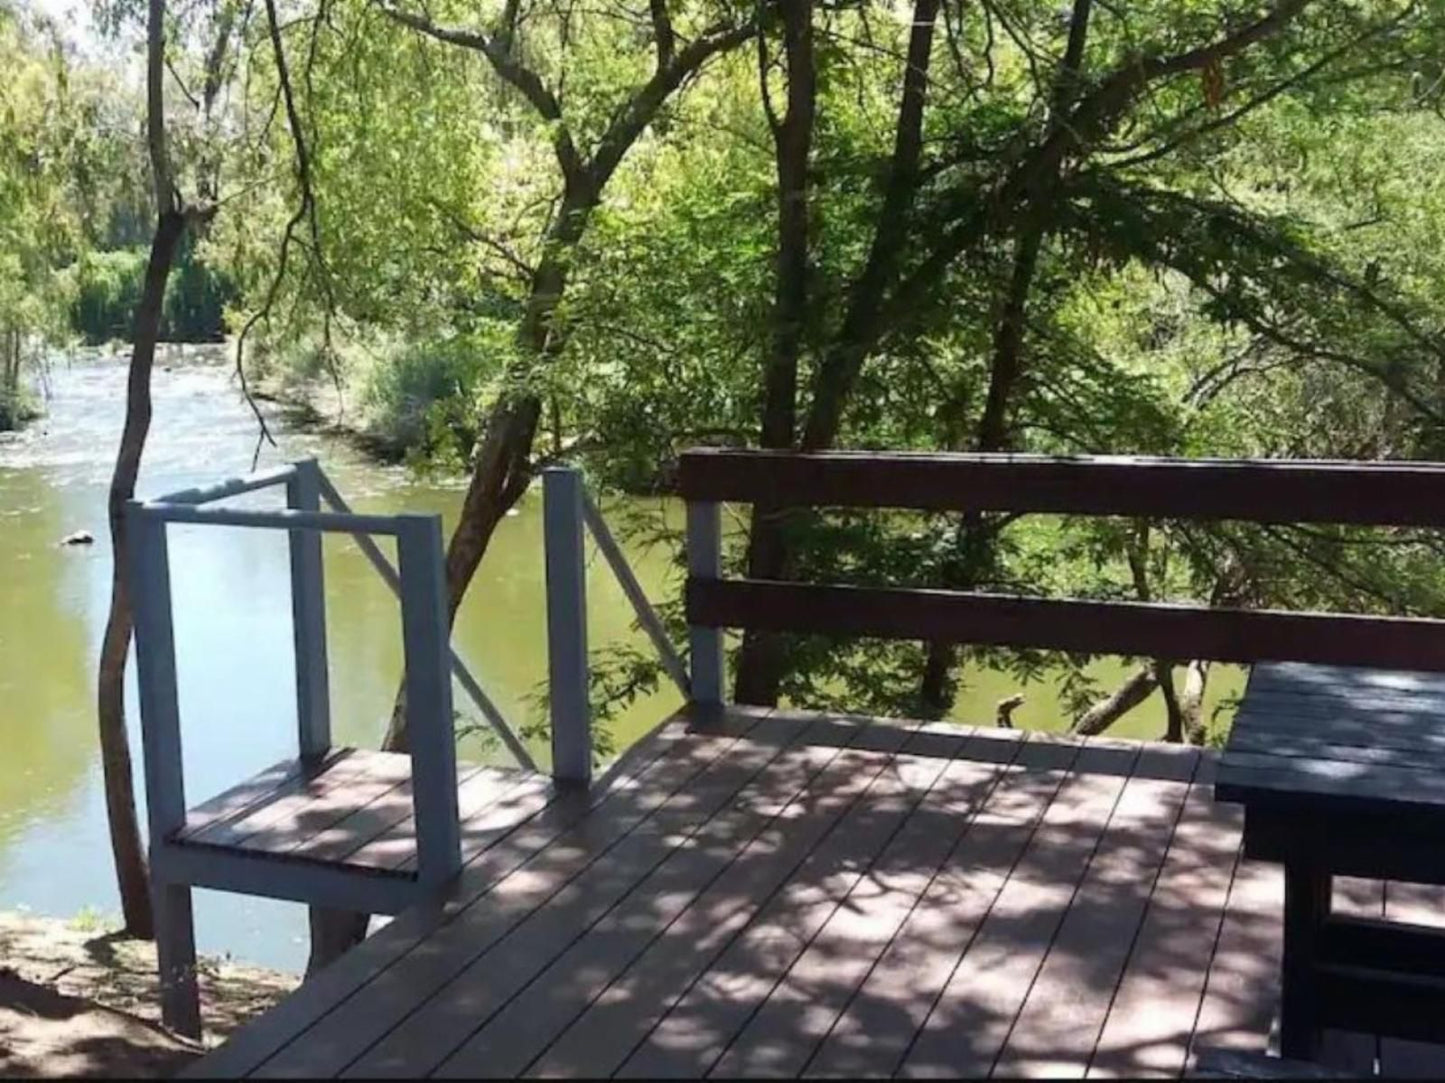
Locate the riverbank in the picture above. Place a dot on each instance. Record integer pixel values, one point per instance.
(76, 999)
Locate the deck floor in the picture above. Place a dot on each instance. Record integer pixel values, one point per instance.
(797, 894)
(351, 808)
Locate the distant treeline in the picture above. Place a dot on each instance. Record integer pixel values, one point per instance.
(108, 288)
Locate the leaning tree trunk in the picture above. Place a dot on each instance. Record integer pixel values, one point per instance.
(1115, 706)
(500, 476)
(125, 841)
(1191, 702)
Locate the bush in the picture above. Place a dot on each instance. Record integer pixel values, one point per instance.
(108, 288)
(16, 408)
(419, 399)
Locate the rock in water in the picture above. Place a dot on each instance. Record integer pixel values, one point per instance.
(80, 537)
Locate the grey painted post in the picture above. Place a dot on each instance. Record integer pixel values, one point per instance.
(150, 591)
(308, 616)
(425, 638)
(562, 528)
(704, 561)
(176, 958)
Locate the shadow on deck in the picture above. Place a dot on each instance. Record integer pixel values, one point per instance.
(778, 893)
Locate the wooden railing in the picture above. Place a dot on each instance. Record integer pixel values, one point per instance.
(1259, 491)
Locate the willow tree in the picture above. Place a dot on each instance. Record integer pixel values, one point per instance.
(533, 51)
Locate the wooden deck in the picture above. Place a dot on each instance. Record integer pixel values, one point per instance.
(352, 808)
(793, 894)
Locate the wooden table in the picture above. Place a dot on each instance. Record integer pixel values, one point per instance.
(1342, 773)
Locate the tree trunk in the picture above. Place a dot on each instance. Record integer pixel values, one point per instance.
(1110, 709)
(758, 676)
(1191, 701)
(973, 545)
(125, 841)
(762, 662)
(936, 688)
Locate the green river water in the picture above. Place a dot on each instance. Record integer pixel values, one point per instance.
(234, 637)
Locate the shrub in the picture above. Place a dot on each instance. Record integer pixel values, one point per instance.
(419, 398)
(108, 287)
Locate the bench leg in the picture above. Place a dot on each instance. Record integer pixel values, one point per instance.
(1307, 892)
(176, 955)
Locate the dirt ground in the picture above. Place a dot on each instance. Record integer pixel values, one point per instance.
(78, 1000)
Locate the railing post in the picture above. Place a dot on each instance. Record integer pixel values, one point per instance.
(567, 678)
(308, 615)
(149, 585)
(704, 561)
(432, 742)
(150, 592)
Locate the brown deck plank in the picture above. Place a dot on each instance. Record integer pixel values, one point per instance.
(1156, 1003)
(526, 823)
(381, 772)
(623, 1014)
(485, 910)
(1241, 993)
(277, 814)
(876, 1028)
(969, 1024)
(382, 812)
(698, 1026)
(242, 798)
(482, 808)
(1057, 1028)
(438, 1028)
(516, 1034)
(787, 1027)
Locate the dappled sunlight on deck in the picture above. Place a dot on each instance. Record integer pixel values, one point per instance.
(781, 893)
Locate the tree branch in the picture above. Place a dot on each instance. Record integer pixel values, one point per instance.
(510, 69)
(642, 105)
(663, 33)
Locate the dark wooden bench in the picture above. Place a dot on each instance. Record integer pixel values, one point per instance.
(1341, 772)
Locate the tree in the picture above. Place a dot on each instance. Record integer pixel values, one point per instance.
(502, 462)
(1004, 187)
(174, 217)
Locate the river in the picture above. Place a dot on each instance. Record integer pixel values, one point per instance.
(233, 631)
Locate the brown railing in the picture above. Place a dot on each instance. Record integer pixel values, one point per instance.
(1260, 491)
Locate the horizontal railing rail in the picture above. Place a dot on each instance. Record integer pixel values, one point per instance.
(1263, 491)
(328, 522)
(1253, 490)
(185, 507)
(1129, 628)
(249, 483)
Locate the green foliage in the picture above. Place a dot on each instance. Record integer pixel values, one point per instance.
(106, 287)
(418, 398)
(1241, 255)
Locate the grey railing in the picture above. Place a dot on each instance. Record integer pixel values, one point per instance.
(308, 488)
(568, 515)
